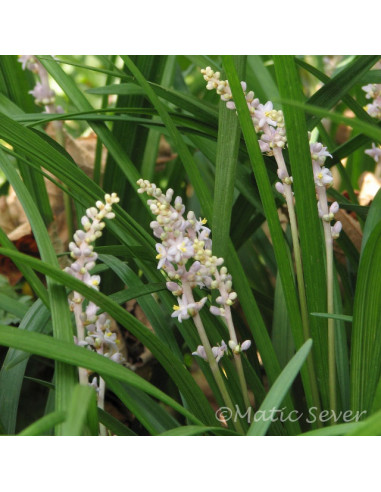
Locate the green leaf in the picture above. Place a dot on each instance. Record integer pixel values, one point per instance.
(373, 219)
(267, 198)
(11, 376)
(62, 328)
(176, 370)
(279, 390)
(366, 326)
(308, 220)
(341, 317)
(334, 90)
(196, 430)
(226, 163)
(79, 357)
(41, 426)
(241, 284)
(149, 413)
(114, 425)
(32, 279)
(82, 403)
(369, 427)
(333, 430)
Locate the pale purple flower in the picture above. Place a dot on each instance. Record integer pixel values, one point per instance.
(372, 90)
(323, 177)
(374, 109)
(218, 352)
(179, 248)
(185, 310)
(42, 94)
(29, 62)
(262, 114)
(336, 229)
(273, 138)
(319, 153)
(200, 352)
(217, 311)
(237, 348)
(279, 187)
(245, 345)
(334, 208)
(161, 256)
(374, 152)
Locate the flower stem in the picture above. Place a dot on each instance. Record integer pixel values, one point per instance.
(331, 322)
(101, 403)
(83, 376)
(299, 276)
(237, 357)
(212, 361)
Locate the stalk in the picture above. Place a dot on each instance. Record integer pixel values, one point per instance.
(83, 376)
(330, 308)
(212, 361)
(299, 274)
(101, 403)
(237, 357)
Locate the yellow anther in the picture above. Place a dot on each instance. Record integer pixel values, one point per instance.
(176, 308)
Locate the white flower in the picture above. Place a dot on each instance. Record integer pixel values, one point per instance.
(374, 152)
(262, 114)
(372, 90)
(334, 208)
(161, 256)
(323, 177)
(279, 187)
(319, 153)
(374, 109)
(185, 310)
(219, 351)
(200, 352)
(29, 62)
(179, 248)
(336, 229)
(42, 94)
(237, 348)
(273, 138)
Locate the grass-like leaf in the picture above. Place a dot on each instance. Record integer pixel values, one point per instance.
(79, 357)
(278, 391)
(366, 326)
(190, 391)
(82, 404)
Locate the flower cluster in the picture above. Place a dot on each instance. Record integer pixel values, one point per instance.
(185, 252)
(373, 91)
(220, 350)
(42, 93)
(185, 255)
(324, 179)
(98, 335)
(268, 122)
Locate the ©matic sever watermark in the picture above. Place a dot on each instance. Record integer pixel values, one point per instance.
(224, 414)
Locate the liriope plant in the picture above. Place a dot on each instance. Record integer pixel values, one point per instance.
(278, 303)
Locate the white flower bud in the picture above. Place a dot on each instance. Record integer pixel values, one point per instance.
(246, 345)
